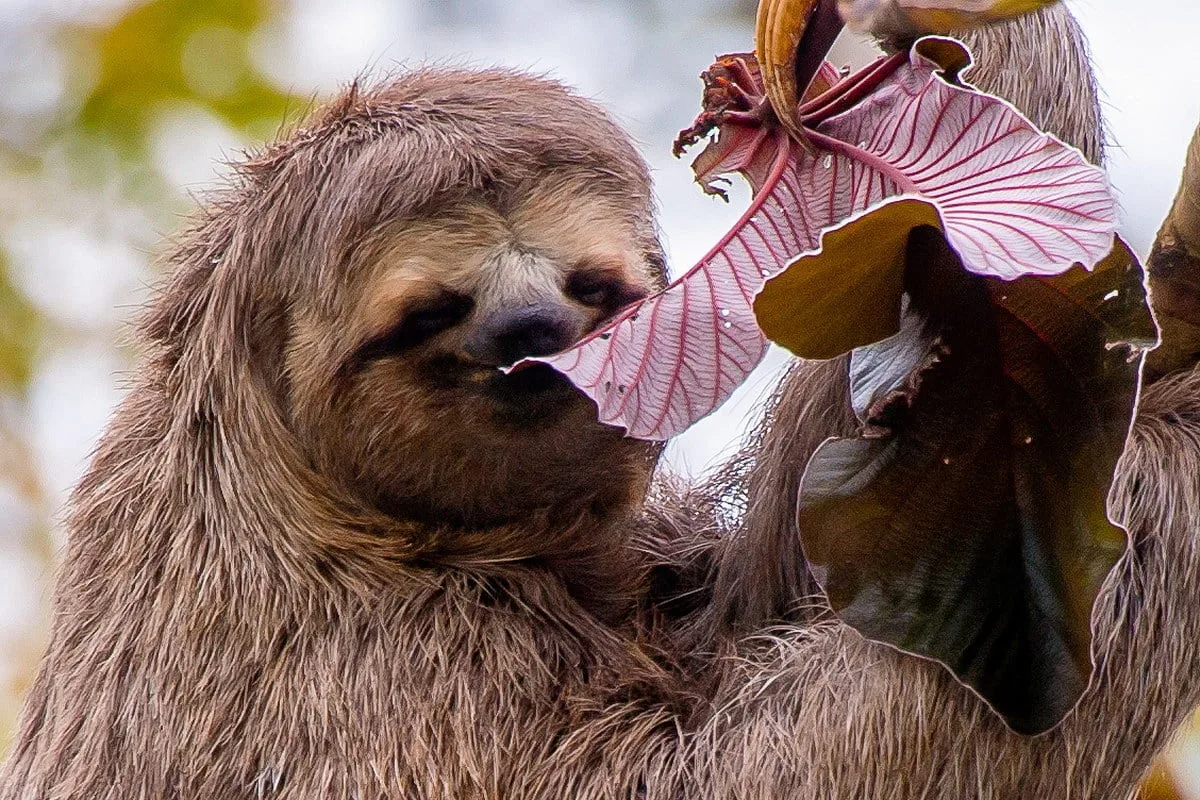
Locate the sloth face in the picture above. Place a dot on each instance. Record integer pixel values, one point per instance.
(424, 420)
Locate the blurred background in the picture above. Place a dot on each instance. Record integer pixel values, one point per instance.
(116, 114)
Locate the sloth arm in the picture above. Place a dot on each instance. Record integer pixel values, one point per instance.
(803, 703)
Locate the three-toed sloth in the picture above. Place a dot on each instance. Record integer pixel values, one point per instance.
(327, 550)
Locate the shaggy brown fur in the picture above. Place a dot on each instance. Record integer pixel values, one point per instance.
(299, 570)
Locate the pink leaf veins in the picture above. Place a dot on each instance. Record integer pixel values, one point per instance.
(1013, 201)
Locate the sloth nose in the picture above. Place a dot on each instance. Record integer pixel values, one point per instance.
(508, 335)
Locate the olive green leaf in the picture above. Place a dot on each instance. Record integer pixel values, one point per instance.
(847, 293)
(967, 521)
(155, 51)
(19, 330)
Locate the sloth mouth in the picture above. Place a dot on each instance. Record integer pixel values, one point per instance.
(533, 396)
(529, 382)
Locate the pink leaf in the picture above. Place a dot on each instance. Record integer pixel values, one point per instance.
(664, 363)
(1013, 201)
(671, 359)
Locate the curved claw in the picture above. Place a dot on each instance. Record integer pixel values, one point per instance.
(791, 40)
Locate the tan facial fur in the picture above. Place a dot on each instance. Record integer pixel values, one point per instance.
(430, 427)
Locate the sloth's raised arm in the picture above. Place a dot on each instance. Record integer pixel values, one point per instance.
(872, 723)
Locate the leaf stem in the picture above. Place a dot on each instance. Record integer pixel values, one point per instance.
(849, 92)
(905, 183)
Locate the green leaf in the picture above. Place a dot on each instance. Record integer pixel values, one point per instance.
(155, 52)
(18, 334)
(967, 521)
(847, 293)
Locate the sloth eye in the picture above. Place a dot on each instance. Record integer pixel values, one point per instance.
(596, 289)
(604, 289)
(418, 326)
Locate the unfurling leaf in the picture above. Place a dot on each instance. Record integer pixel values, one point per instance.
(915, 17)
(779, 28)
(967, 522)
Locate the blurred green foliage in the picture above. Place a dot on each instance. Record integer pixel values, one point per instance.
(151, 55)
(172, 51)
(94, 155)
(19, 327)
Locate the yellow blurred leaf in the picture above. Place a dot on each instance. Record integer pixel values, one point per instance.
(1159, 786)
(18, 334)
(177, 51)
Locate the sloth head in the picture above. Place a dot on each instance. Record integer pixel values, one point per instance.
(400, 389)
(376, 269)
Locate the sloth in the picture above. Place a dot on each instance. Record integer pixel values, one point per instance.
(326, 549)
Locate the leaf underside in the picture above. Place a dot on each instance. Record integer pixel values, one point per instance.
(1011, 199)
(662, 364)
(967, 522)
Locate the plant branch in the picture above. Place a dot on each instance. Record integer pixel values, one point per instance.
(1174, 276)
